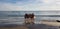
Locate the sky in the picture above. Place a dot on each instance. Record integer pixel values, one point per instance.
(29, 5)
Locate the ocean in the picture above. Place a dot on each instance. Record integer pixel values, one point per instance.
(17, 17)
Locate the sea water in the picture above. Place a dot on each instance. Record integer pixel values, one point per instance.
(17, 17)
(20, 20)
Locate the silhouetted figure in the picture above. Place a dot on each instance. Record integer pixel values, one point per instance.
(29, 18)
(32, 15)
(57, 20)
(26, 16)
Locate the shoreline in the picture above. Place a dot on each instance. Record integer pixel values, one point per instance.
(46, 25)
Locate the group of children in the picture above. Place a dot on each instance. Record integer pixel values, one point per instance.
(29, 18)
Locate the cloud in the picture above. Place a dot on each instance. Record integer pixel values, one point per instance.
(27, 5)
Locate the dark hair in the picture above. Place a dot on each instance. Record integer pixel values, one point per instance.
(29, 15)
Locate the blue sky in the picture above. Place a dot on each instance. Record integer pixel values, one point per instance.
(28, 5)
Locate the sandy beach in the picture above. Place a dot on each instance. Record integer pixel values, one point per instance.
(46, 25)
(51, 23)
(12, 26)
(17, 27)
(42, 25)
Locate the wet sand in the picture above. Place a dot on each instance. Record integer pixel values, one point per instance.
(13, 26)
(51, 23)
(34, 26)
(43, 25)
(18, 27)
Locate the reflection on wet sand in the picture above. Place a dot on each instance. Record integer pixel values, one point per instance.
(44, 25)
